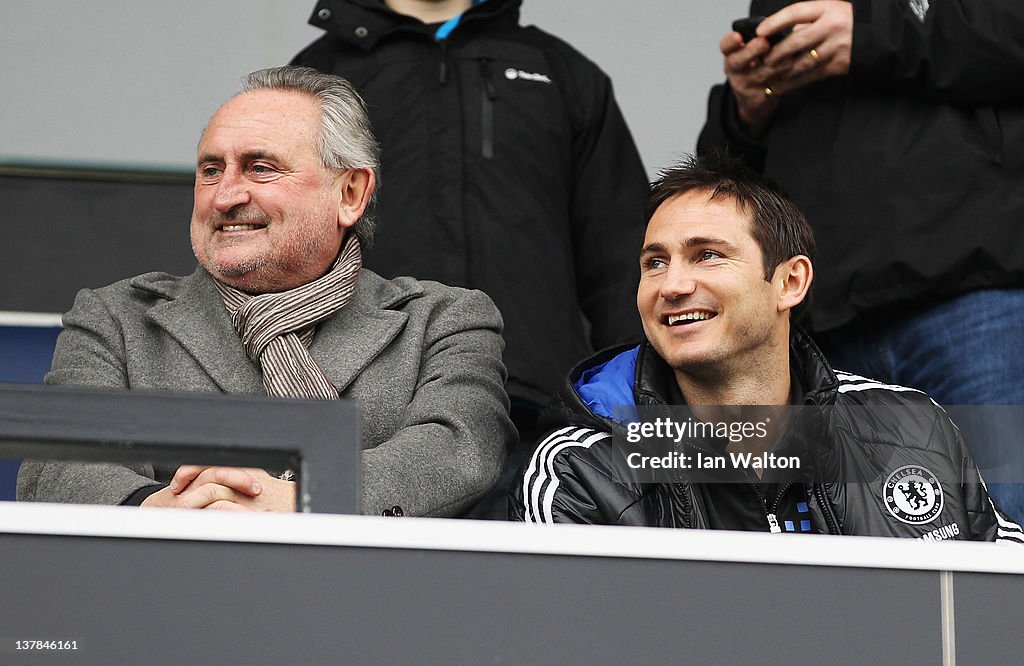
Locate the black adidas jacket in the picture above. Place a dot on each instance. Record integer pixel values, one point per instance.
(909, 168)
(869, 438)
(507, 167)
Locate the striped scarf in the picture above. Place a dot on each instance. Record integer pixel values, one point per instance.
(277, 328)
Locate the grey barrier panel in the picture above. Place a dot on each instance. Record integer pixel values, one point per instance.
(75, 228)
(989, 618)
(175, 602)
(320, 440)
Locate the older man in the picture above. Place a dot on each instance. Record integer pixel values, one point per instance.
(280, 305)
(725, 261)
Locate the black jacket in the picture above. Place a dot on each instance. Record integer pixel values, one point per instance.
(867, 437)
(909, 168)
(507, 167)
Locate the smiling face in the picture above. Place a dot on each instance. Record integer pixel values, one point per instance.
(704, 303)
(266, 215)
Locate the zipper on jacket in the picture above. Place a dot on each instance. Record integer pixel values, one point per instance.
(826, 509)
(773, 513)
(773, 520)
(488, 95)
(684, 497)
(443, 74)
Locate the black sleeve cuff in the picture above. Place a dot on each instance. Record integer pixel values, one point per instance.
(723, 130)
(734, 129)
(140, 495)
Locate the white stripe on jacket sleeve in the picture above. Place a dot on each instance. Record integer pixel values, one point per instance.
(540, 481)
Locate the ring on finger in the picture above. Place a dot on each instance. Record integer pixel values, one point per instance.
(768, 92)
(814, 56)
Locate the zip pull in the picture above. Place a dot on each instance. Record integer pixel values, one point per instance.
(773, 524)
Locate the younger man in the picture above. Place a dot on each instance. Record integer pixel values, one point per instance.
(726, 259)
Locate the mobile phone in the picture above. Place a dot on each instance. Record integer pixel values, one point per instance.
(747, 27)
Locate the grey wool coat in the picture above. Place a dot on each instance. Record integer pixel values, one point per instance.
(422, 359)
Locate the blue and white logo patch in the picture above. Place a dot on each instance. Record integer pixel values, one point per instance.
(912, 495)
(512, 74)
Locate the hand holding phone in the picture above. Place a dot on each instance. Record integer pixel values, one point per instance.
(747, 27)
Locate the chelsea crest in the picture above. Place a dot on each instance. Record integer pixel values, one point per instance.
(912, 495)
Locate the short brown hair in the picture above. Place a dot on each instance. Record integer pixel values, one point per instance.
(777, 225)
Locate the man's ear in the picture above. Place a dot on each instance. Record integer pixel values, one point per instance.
(793, 279)
(355, 189)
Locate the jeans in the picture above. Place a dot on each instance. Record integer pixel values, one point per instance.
(967, 350)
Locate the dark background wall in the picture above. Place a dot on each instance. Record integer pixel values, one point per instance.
(67, 229)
